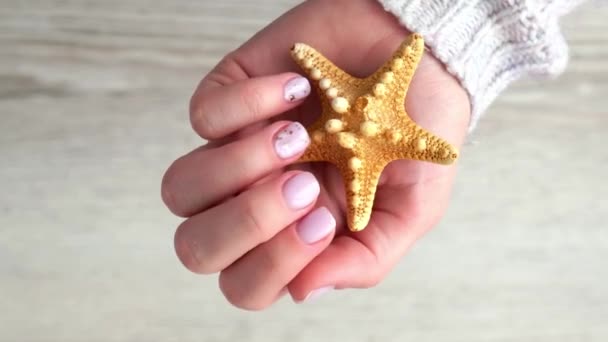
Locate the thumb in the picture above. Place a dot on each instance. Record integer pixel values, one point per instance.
(360, 260)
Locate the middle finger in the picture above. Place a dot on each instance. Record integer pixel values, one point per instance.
(207, 176)
(212, 240)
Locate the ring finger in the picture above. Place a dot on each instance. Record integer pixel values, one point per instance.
(256, 280)
(206, 176)
(212, 240)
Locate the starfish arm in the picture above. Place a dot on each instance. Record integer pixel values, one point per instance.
(395, 76)
(419, 144)
(360, 188)
(330, 81)
(363, 124)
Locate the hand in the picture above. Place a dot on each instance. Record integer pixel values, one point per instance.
(269, 227)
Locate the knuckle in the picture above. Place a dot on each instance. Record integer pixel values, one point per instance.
(189, 254)
(184, 251)
(202, 118)
(253, 223)
(237, 296)
(269, 263)
(166, 189)
(254, 296)
(232, 294)
(252, 98)
(168, 186)
(204, 110)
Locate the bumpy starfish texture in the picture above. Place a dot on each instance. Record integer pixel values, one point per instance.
(364, 126)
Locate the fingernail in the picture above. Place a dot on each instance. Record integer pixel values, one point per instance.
(301, 191)
(316, 225)
(291, 140)
(296, 89)
(313, 295)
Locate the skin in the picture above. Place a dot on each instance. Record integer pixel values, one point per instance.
(239, 107)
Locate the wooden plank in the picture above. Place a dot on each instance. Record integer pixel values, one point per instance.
(93, 106)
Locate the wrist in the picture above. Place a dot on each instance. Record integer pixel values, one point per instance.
(436, 99)
(487, 45)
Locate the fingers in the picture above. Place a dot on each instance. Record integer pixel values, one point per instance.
(212, 240)
(263, 53)
(255, 281)
(205, 176)
(355, 262)
(402, 214)
(218, 110)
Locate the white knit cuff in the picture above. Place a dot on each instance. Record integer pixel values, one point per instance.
(488, 44)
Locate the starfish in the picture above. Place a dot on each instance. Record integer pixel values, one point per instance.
(364, 126)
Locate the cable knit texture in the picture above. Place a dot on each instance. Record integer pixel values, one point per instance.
(488, 44)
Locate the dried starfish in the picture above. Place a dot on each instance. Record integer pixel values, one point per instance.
(364, 126)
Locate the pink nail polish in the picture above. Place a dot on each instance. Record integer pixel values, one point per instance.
(291, 141)
(316, 226)
(296, 89)
(301, 190)
(313, 295)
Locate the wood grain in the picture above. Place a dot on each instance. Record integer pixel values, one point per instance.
(93, 108)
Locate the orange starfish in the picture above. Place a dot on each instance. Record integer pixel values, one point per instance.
(364, 126)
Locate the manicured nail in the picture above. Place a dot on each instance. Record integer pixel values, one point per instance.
(313, 295)
(316, 225)
(296, 89)
(291, 140)
(301, 191)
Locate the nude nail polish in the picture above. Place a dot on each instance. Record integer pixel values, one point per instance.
(318, 293)
(291, 140)
(296, 89)
(317, 225)
(301, 190)
(314, 295)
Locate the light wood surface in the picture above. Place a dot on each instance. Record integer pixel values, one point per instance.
(93, 108)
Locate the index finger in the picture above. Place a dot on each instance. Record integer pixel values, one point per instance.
(217, 110)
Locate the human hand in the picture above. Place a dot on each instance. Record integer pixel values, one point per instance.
(266, 225)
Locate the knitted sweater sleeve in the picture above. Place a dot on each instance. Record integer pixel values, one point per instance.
(488, 44)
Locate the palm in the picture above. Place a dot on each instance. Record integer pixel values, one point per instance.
(411, 195)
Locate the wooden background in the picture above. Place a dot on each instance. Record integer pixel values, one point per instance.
(93, 108)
